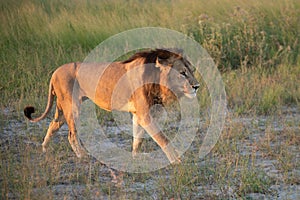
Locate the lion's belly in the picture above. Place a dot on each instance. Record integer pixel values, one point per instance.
(129, 107)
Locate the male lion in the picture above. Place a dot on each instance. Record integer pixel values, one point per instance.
(148, 78)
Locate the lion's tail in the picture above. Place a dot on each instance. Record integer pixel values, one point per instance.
(28, 110)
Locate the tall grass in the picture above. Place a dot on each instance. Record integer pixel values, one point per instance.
(262, 91)
(38, 36)
(260, 35)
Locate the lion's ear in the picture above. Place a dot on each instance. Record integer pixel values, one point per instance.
(167, 57)
(160, 62)
(163, 58)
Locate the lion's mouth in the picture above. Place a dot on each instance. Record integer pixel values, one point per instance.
(190, 95)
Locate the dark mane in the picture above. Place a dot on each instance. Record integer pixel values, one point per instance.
(151, 55)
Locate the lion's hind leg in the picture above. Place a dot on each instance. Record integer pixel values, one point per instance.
(72, 114)
(54, 126)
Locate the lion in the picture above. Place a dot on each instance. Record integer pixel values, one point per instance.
(148, 77)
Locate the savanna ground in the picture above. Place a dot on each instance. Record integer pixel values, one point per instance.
(256, 47)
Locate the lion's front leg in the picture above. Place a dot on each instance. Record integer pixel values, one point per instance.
(138, 135)
(144, 119)
(157, 135)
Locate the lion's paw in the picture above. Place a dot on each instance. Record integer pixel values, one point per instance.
(172, 154)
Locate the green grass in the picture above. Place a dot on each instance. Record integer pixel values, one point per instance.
(39, 36)
(255, 45)
(262, 91)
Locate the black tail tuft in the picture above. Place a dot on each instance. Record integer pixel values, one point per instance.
(28, 111)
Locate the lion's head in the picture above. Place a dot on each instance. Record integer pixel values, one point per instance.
(171, 71)
(176, 73)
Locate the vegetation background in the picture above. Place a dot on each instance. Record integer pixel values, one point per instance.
(248, 41)
(255, 44)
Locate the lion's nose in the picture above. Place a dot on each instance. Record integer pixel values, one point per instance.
(196, 87)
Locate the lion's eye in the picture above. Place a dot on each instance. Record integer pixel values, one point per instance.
(183, 73)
